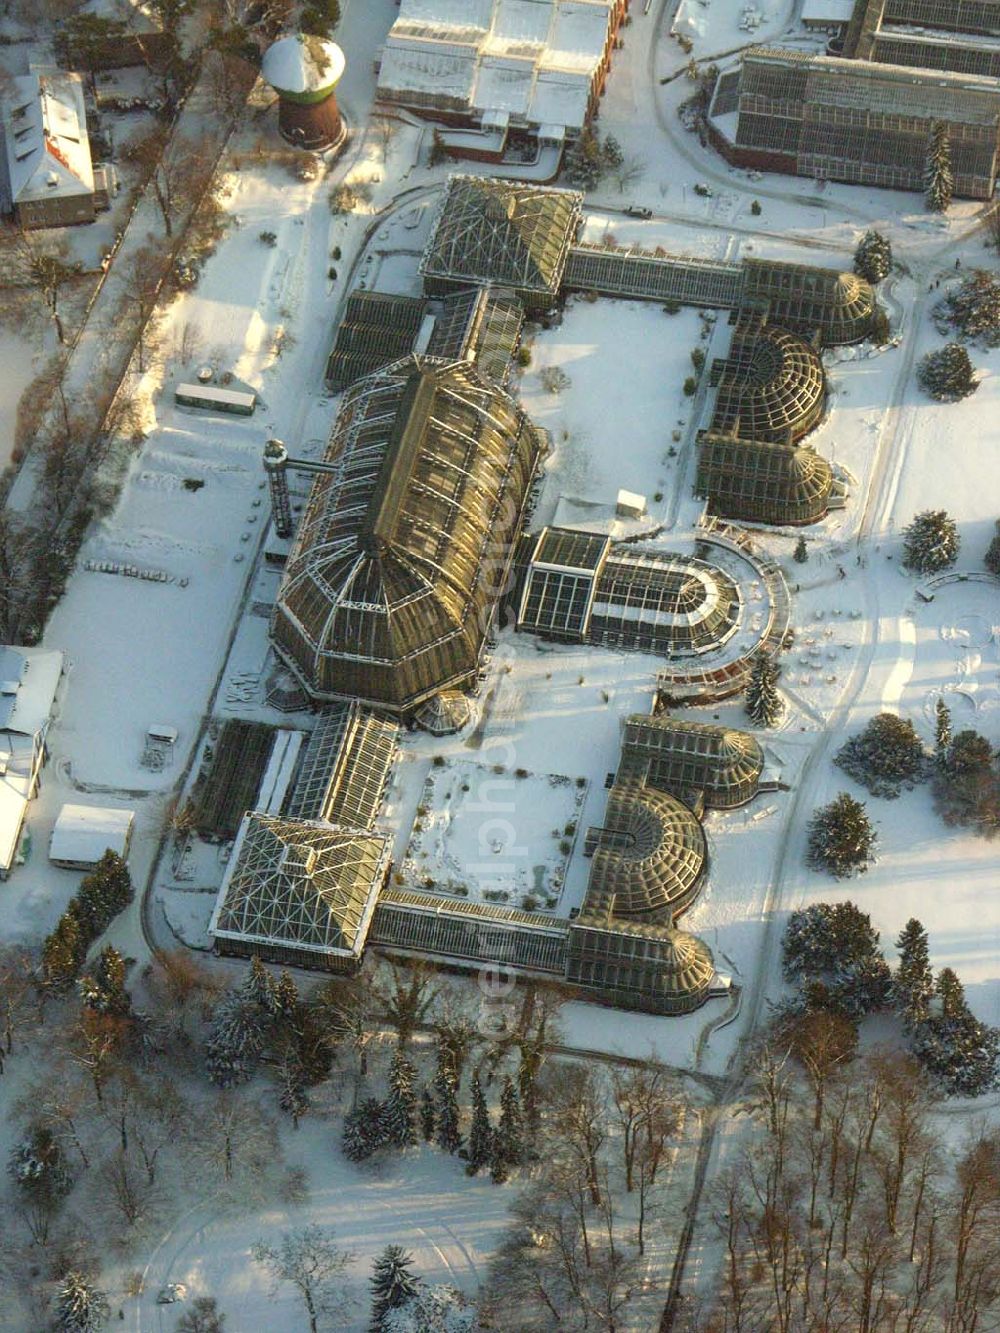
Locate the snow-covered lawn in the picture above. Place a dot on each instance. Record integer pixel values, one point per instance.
(423, 1201)
(613, 424)
(495, 834)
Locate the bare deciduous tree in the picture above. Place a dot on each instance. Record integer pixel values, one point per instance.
(19, 993)
(309, 1260)
(578, 1114)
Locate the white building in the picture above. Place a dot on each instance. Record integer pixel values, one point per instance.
(29, 679)
(46, 175)
(83, 833)
(500, 65)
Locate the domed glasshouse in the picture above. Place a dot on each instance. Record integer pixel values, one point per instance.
(648, 856)
(771, 386)
(406, 544)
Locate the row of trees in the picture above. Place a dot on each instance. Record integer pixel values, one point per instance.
(102, 894)
(574, 1254)
(888, 755)
(844, 1210)
(831, 953)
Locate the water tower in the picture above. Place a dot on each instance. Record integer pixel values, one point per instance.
(304, 70)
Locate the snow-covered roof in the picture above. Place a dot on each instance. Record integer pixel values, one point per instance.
(302, 63)
(83, 833)
(29, 679)
(827, 11)
(13, 805)
(45, 136)
(532, 59)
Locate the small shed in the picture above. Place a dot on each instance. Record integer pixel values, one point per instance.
(630, 505)
(83, 833)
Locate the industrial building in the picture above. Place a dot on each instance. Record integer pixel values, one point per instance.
(499, 68)
(854, 120)
(407, 537)
(47, 178)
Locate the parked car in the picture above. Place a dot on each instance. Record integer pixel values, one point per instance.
(637, 211)
(704, 190)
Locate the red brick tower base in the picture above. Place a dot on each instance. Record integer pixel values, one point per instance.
(318, 126)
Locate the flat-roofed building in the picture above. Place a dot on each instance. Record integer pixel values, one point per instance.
(496, 66)
(83, 833)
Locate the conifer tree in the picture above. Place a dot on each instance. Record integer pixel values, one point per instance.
(103, 989)
(499, 1170)
(873, 257)
(235, 1040)
(427, 1114)
(801, 553)
(959, 1052)
(947, 374)
(942, 732)
(286, 996)
(480, 1130)
(930, 542)
(80, 1306)
(763, 702)
(364, 1130)
(841, 838)
(584, 163)
(939, 180)
(510, 1131)
(992, 558)
(913, 984)
(400, 1105)
(64, 951)
(392, 1284)
(448, 1133)
(259, 986)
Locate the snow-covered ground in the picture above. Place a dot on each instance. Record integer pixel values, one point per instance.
(424, 1202)
(143, 652)
(626, 363)
(471, 840)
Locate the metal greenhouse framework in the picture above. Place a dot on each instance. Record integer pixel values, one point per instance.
(345, 769)
(770, 387)
(719, 765)
(406, 541)
(649, 856)
(377, 329)
(504, 233)
(299, 891)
